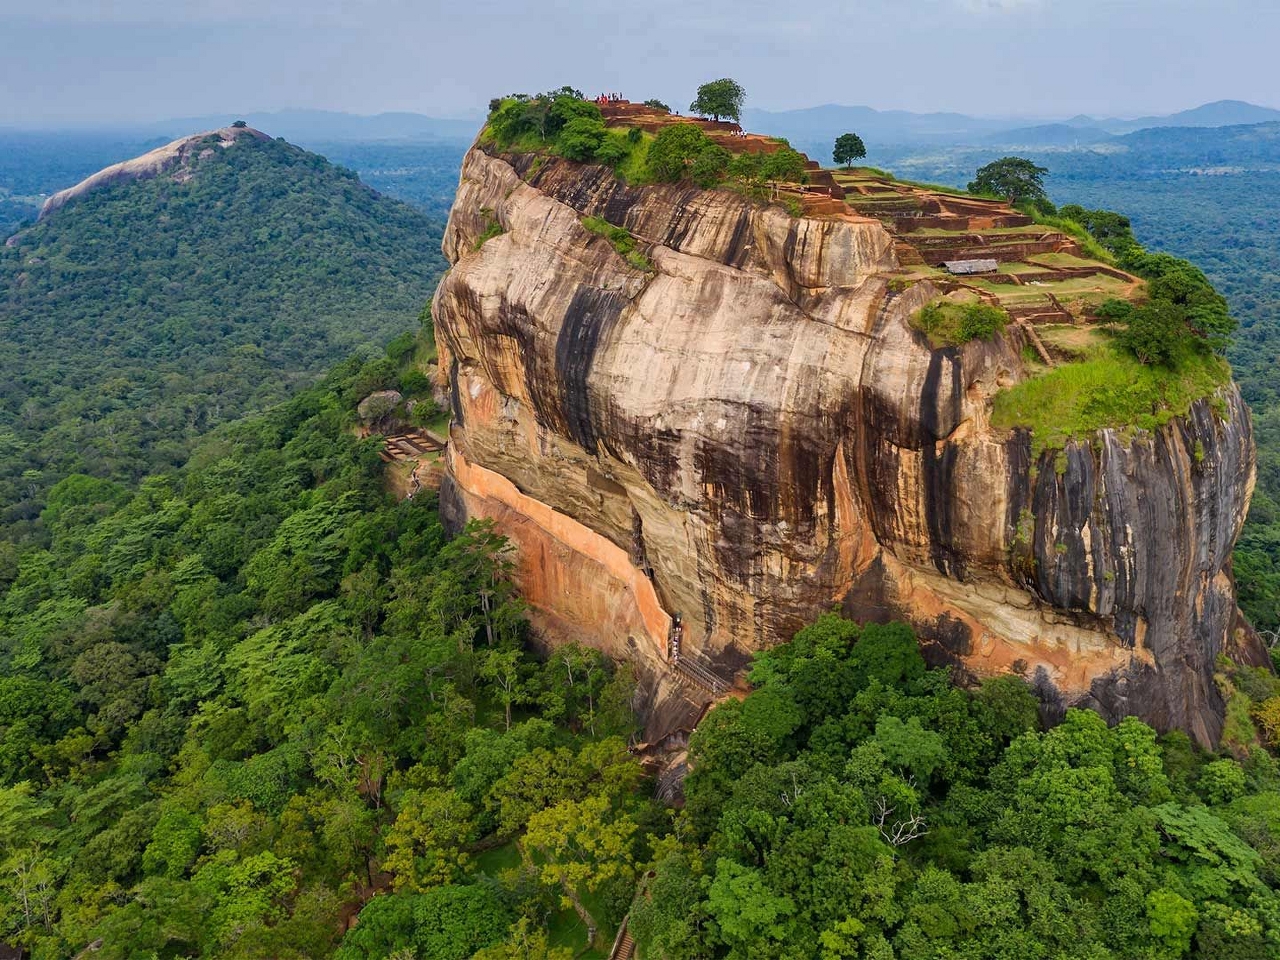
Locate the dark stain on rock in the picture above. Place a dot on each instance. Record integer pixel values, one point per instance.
(939, 464)
(868, 599)
(455, 398)
(591, 315)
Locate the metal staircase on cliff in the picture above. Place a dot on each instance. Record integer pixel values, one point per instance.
(691, 667)
(624, 948)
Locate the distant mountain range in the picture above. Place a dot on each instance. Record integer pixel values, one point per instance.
(900, 127)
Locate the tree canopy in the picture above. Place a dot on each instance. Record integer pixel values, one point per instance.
(720, 100)
(848, 148)
(1014, 179)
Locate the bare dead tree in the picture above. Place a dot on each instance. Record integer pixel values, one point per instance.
(897, 832)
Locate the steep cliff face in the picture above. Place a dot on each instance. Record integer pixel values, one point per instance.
(752, 431)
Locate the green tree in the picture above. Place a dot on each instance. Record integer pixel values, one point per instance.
(719, 99)
(848, 148)
(453, 922)
(425, 843)
(1156, 333)
(784, 166)
(748, 914)
(1014, 179)
(710, 166)
(674, 150)
(385, 927)
(1173, 921)
(581, 138)
(524, 942)
(577, 847)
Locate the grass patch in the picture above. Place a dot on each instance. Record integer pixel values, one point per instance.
(623, 242)
(1107, 389)
(1059, 260)
(492, 229)
(949, 324)
(1077, 342)
(496, 859)
(1079, 234)
(939, 188)
(633, 169)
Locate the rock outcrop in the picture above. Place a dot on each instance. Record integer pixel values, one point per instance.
(751, 432)
(172, 159)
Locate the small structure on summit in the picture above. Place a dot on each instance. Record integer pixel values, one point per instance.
(966, 267)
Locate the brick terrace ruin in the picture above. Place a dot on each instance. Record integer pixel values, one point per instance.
(1042, 278)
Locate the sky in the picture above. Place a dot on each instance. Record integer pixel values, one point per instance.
(133, 60)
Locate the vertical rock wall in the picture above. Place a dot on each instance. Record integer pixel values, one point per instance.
(751, 432)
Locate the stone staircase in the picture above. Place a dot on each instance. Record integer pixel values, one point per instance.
(1036, 343)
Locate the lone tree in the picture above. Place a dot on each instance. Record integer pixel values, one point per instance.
(720, 100)
(1013, 179)
(849, 147)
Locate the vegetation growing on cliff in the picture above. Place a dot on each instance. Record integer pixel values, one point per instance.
(562, 122)
(950, 324)
(622, 241)
(1152, 361)
(1109, 388)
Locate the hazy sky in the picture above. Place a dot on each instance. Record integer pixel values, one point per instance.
(152, 59)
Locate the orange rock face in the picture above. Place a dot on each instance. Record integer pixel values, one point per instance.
(751, 432)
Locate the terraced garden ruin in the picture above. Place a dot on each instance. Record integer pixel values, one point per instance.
(1042, 278)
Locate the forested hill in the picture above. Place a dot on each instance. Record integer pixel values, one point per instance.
(144, 313)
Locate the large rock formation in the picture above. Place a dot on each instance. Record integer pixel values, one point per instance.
(752, 432)
(173, 159)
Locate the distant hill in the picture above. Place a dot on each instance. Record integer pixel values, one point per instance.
(1222, 113)
(173, 293)
(816, 126)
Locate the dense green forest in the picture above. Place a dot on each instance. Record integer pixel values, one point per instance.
(138, 317)
(238, 700)
(857, 805)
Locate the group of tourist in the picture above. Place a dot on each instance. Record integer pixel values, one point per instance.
(609, 98)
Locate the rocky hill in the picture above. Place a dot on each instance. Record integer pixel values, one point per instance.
(177, 159)
(174, 292)
(722, 438)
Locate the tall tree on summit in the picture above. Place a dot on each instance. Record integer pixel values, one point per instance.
(720, 100)
(849, 147)
(1012, 178)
